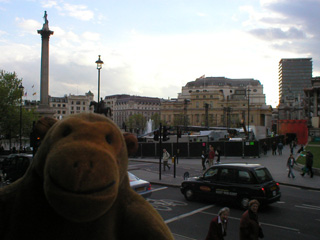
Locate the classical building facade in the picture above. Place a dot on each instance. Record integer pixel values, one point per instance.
(313, 106)
(123, 106)
(72, 104)
(295, 74)
(218, 102)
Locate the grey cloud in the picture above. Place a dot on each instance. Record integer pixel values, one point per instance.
(277, 33)
(304, 13)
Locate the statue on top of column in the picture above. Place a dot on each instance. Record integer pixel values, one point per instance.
(46, 22)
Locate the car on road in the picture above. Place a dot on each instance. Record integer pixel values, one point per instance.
(140, 186)
(14, 166)
(233, 182)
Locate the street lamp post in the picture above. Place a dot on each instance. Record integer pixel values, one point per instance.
(99, 63)
(20, 133)
(248, 111)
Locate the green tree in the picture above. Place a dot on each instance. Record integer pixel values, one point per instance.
(156, 120)
(10, 102)
(136, 123)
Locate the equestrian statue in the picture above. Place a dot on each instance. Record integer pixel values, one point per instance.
(101, 108)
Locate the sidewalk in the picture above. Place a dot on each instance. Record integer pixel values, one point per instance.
(276, 165)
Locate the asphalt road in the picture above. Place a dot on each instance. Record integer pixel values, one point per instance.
(296, 216)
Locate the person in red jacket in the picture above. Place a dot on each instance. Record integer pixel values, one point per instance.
(250, 228)
(218, 225)
(211, 155)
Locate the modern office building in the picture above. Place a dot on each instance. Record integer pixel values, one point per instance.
(295, 74)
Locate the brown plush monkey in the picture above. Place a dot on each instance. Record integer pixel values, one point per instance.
(77, 187)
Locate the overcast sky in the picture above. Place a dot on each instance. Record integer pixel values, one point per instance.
(154, 47)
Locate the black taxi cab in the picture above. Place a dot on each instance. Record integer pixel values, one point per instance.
(14, 166)
(234, 182)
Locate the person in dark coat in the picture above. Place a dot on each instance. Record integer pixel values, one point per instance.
(274, 147)
(265, 148)
(218, 154)
(309, 163)
(203, 160)
(250, 228)
(218, 225)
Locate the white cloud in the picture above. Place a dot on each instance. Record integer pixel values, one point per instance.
(49, 3)
(91, 36)
(78, 11)
(28, 25)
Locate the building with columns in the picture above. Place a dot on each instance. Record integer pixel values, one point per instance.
(62, 107)
(218, 102)
(313, 103)
(123, 106)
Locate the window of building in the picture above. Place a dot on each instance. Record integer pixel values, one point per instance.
(59, 105)
(78, 108)
(197, 118)
(78, 102)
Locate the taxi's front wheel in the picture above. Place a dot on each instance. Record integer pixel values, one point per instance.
(189, 194)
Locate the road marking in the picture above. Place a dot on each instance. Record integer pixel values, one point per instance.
(158, 189)
(165, 204)
(306, 206)
(291, 187)
(188, 214)
(312, 190)
(181, 236)
(262, 223)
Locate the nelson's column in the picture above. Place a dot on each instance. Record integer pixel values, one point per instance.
(44, 107)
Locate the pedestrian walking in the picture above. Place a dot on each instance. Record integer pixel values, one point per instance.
(203, 160)
(218, 154)
(274, 148)
(218, 225)
(211, 155)
(250, 228)
(291, 147)
(280, 147)
(165, 159)
(301, 149)
(265, 148)
(291, 161)
(308, 165)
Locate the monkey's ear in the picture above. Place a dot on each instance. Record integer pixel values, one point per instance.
(131, 142)
(42, 126)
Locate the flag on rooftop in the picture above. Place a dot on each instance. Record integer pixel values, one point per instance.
(203, 76)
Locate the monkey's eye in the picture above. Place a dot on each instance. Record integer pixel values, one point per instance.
(109, 139)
